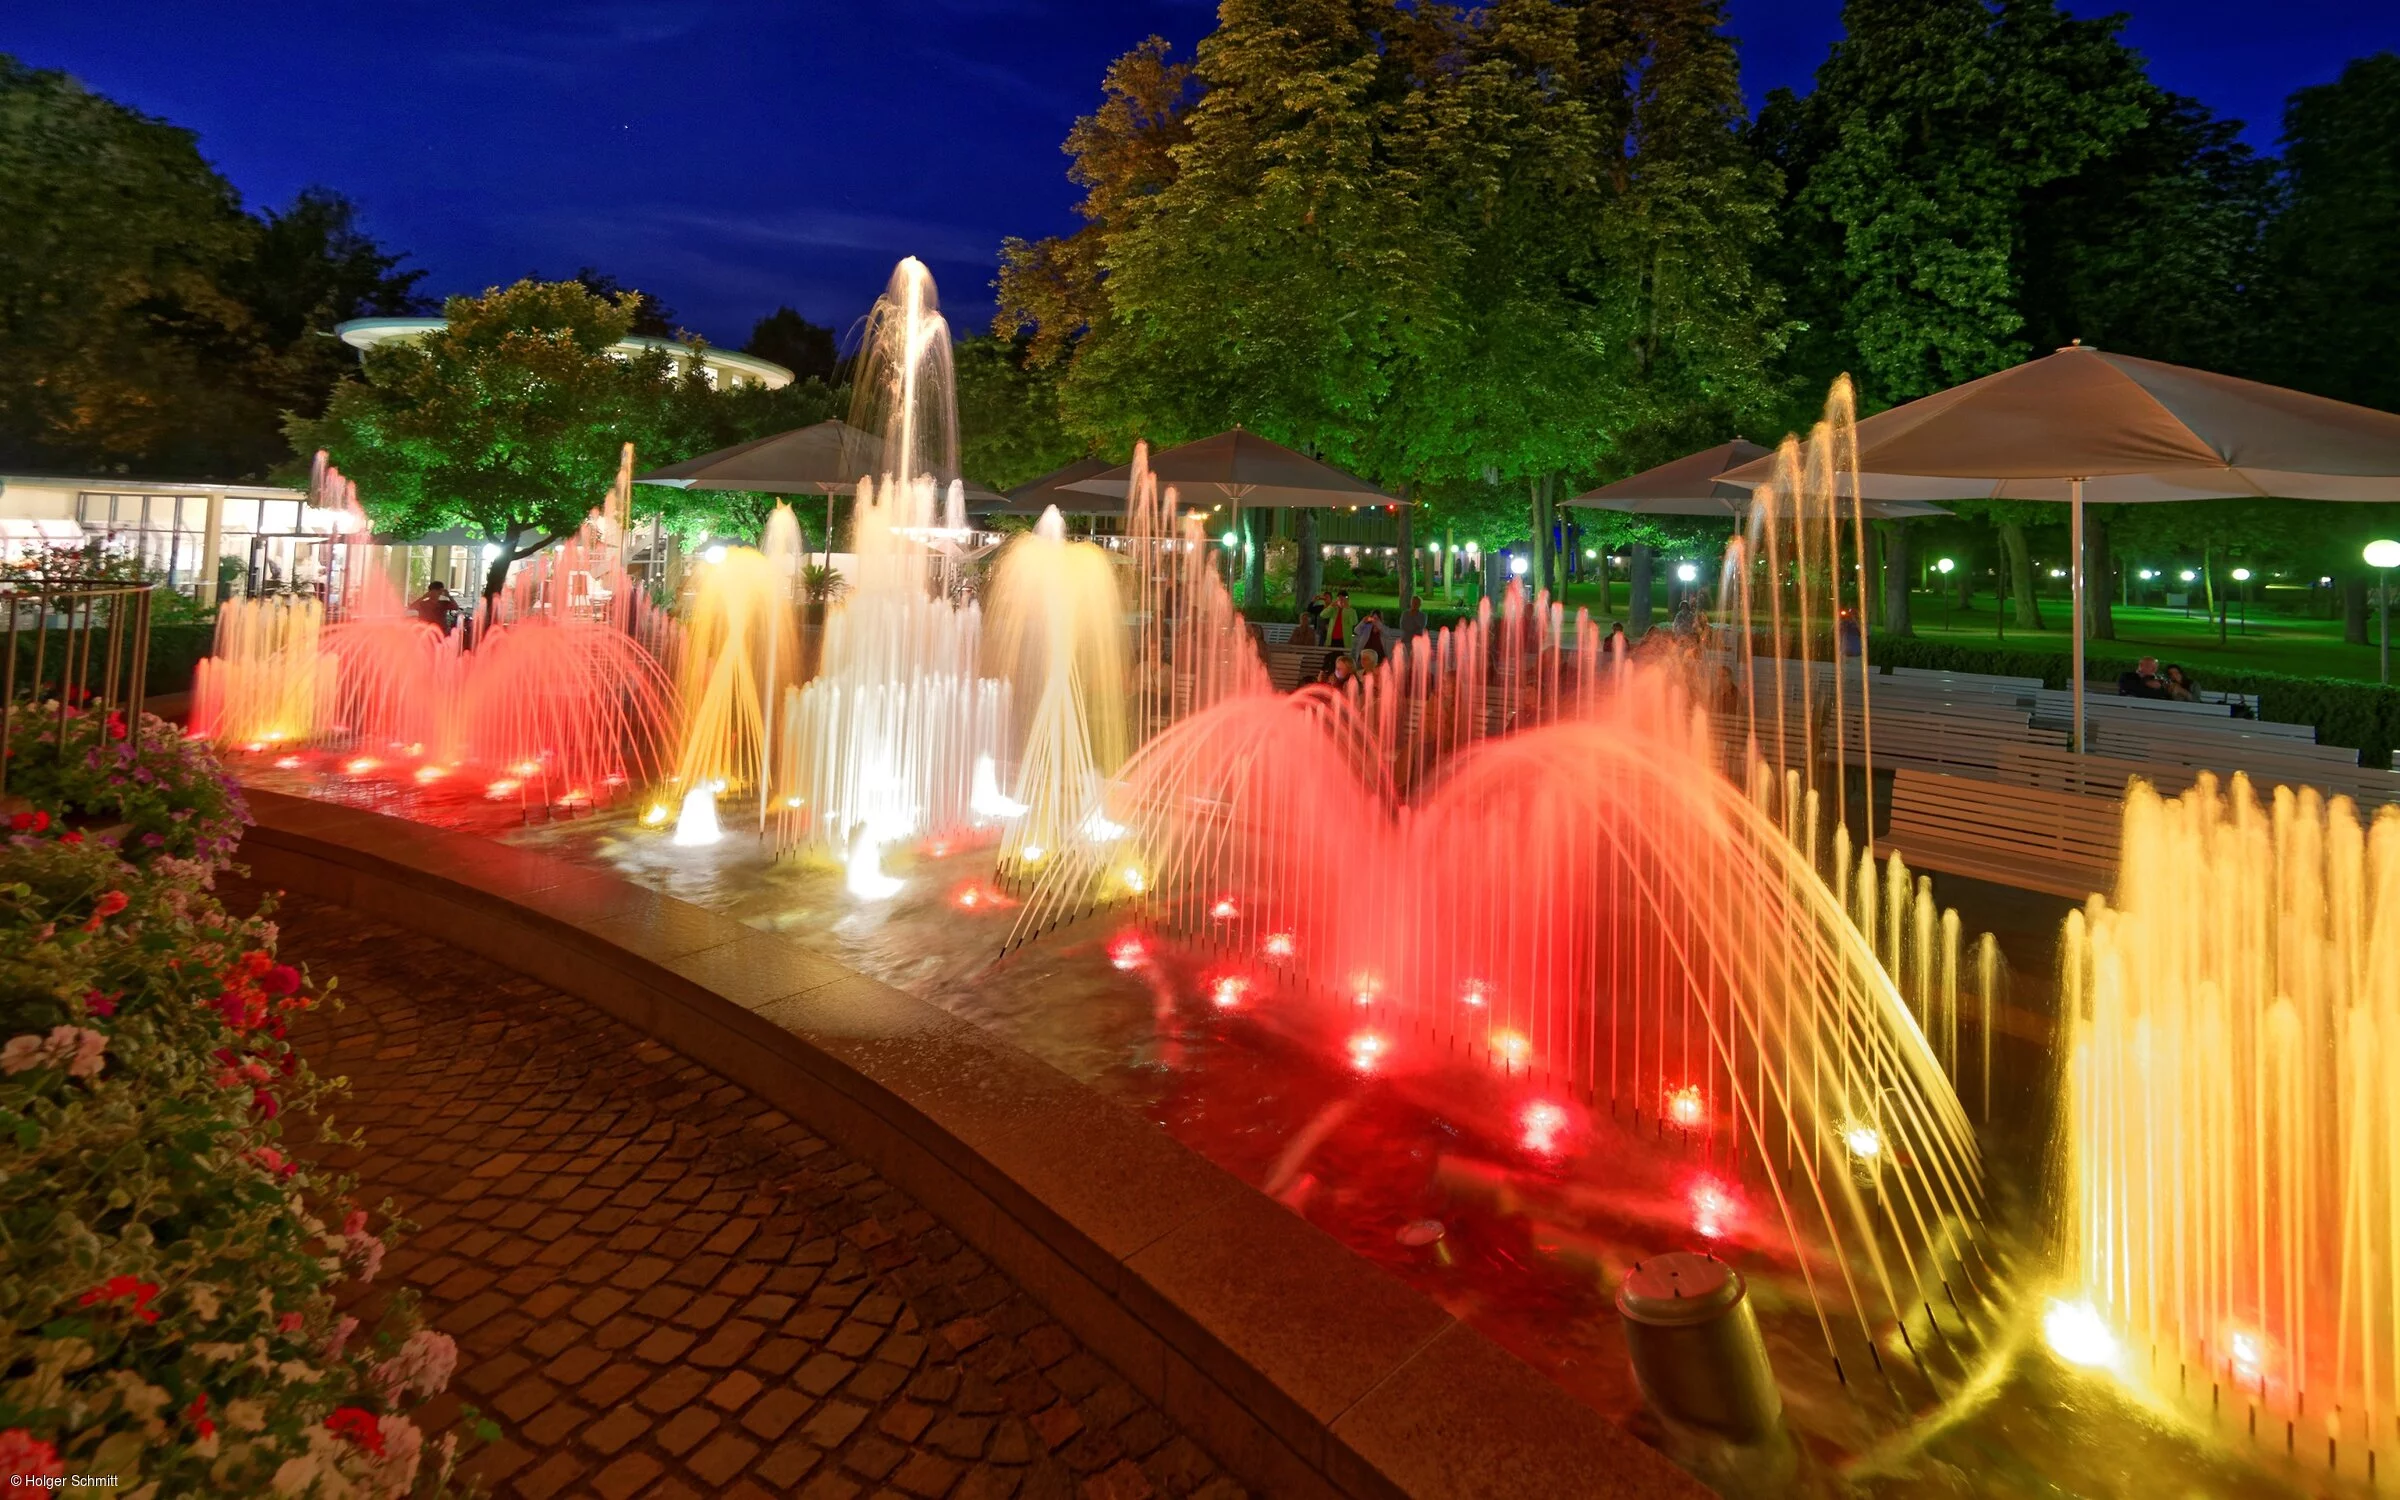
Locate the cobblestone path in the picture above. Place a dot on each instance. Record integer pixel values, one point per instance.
(661, 1286)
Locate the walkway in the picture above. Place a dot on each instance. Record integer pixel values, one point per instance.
(661, 1286)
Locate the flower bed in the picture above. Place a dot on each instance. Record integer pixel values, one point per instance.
(169, 1269)
(168, 794)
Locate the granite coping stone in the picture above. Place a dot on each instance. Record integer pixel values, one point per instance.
(1306, 1369)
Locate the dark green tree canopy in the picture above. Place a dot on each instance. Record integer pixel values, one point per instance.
(2333, 277)
(150, 325)
(790, 340)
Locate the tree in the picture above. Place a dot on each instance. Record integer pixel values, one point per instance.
(2334, 282)
(1911, 166)
(508, 421)
(790, 340)
(1009, 429)
(2153, 248)
(148, 324)
(652, 319)
(686, 417)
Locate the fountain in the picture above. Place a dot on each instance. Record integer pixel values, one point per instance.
(2230, 1178)
(559, 701)
(887, 742)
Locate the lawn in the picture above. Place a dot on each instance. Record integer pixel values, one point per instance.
(2271, 643)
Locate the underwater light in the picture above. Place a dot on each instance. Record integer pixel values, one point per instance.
(2076, 1333)
(1865, 1141)
(696, 827)
(1687, 1106)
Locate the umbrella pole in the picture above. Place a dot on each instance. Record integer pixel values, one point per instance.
(2075, 658)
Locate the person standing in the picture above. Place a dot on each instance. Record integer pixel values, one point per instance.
(1412, 618)
(1372, 637)
(1338, 622)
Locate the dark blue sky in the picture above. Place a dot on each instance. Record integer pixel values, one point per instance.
(730, 155)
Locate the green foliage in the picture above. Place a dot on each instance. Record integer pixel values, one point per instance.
(1009, 429)
(171, 1275)
(2333, 303)
(148, 324)
(2359, 715)
(1912, 165)
(508, 421)
(684, 418)
(790, 340)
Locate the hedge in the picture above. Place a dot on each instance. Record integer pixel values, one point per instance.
(2360, 715)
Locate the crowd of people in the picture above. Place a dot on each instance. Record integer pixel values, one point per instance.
(1361, 642)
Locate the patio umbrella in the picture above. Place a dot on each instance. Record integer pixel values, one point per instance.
(1694, 486)
(1036, 495)
(824, 459)
(1247, 470)
(2082, 424)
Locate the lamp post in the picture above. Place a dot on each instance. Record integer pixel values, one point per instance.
(1944, 566)
(2383, 555)
(2187, 575)
(2242, 577)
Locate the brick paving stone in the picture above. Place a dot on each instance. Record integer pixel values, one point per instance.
(664, 1287)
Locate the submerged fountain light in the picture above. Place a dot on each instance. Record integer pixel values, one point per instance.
(1227, 992)
(1278, 945)
(1473, 994)
(863, 876)
(360, 765)
(1135, 881)
(2077, 1333)
(1126, 951)
(1102, 829)
(426, 775)
(1512, 1046)
(1366, 1050)
(985, 796)
(1688, 1106)
(506, 786)
(1865, 1141)
(288, 763)
(696, 826)
(1224, 910)
(654, 815)
(1542, 1121)
(1714, 1206)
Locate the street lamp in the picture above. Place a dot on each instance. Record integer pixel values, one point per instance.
(1688, 573)
(2383, 555)
(2242, 577)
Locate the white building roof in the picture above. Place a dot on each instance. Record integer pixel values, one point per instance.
(720, 366)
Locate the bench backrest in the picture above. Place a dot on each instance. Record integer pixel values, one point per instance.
(2031, 822)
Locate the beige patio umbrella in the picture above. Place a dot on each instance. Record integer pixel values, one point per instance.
(1694, 485)
(2083, 424)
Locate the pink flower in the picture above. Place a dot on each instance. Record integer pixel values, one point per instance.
(422, 1367)
(98, 1004)
(80, 1051)
(355, 1222)
(336, 1341)
(290, 1323)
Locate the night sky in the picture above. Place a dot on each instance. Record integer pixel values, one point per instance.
(729, 157)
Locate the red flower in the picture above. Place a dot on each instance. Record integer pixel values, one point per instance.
(283, 979)
(264, 1103)
(122, 1288)
(74, 837)
(29, 822)
(197, 1415)
(98, 1004)
(110, 903)
(25, 1456)
(358, 1425)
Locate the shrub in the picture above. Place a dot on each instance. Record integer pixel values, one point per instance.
(168, 1267)
(168, 794)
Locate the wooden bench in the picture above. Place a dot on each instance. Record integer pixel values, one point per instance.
(2054, 706)
(1291, 668)
(2331, 769)
(1974, 681)
(2061, 843)
(1273, 632)
(1963, 738)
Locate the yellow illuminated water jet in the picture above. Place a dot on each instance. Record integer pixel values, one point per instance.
(2232, 1105)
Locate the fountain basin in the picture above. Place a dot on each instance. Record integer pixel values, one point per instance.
(1304, 1369)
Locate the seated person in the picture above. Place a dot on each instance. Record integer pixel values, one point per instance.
(2179, 685)
(2142, 681)
(1305, 632)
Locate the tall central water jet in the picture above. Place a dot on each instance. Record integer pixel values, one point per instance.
(884, 744)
